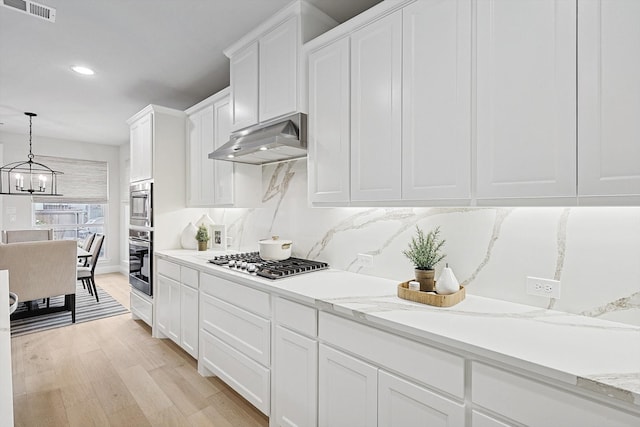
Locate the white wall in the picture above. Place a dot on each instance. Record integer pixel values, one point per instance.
(594, 252)
(16, 148)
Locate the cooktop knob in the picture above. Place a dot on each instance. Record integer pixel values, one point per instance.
(232, 263)
(251, 268)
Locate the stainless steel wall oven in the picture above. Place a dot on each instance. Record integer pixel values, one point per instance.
(140, 260)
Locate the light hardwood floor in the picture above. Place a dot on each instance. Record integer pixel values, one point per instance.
(110, 372)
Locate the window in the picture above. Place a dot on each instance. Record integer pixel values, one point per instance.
(71, 221)
(82, 208)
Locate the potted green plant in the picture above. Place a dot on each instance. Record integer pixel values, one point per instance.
(425, 252)
(202, 236)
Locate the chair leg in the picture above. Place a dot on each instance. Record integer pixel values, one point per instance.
(95, 290)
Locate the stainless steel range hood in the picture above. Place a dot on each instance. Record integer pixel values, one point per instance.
(270, 142)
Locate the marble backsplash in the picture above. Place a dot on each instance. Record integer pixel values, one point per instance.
(593, 251)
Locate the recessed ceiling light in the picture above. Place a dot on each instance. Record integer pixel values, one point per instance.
(83, 70)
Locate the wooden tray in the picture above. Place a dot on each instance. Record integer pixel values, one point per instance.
(431, 299)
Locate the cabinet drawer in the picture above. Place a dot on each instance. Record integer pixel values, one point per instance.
(533, 403)
(421, 362)
(296, 316)
(168, 269)
(402, 403)
(244, 331)
(241, 296)
(189, 277)
(141, 308)
(245, 376)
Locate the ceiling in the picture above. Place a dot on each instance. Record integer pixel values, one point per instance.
(165, 52)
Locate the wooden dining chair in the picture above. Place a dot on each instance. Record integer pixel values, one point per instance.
(87, 274)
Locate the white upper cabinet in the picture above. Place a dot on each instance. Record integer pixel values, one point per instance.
(223, 172)
(609, 97)
(265, 64)
(329, 124)
(376, 110)
(200, 142)
(526, 98)
(278, 75)
(436, 99)
(214, 183)
(244, 84)
(141, 148)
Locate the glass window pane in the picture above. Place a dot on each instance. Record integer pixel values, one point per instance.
(71, 221)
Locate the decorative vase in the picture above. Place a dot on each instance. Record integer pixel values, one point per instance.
(425, 278)
(187, 238)
(205, 219)
(447, 283)
(202, 246)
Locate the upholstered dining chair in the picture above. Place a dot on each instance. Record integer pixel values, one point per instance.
(87, 273)
(33, 235)
(86, 245)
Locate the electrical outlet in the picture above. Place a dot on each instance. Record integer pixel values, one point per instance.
(365, 260)
(543, 287)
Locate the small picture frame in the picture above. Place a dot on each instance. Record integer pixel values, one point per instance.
(218, 236)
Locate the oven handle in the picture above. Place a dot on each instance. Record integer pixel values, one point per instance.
(137, 242)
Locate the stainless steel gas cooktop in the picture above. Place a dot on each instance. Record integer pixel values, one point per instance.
(251, 263)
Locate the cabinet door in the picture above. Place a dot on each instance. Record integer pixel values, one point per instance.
(401, 403)
(348, 390)
(436, 95)
(244, 87)
(296, 379)
(141, 149)
(479, 419)
(223, 171)
(609, 97)
(533, 403)
(278, 75)
(200, 144)
(329, 118)
(376, 109)
(189, 320)
(168, 308)
(526, 98)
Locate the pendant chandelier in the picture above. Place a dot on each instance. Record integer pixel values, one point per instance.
(28, 178)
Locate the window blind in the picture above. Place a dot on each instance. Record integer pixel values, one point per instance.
(82, 181)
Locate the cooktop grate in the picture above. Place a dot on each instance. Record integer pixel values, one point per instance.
(251, 263)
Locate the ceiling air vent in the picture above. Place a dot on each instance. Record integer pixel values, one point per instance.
(32, 8)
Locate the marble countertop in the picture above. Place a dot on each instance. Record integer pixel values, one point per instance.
(593, 354)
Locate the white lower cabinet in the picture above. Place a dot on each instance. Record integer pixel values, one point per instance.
(348, 390)
(402, 403)
(176, 303)
(532, 403)
(296, 379)
(141, 307)
(245, 376)
(235, 338)
(168, 307)
(478, 419)
(189, 320)
(295, 365)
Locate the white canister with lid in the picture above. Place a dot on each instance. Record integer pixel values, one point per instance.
(275, 249)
